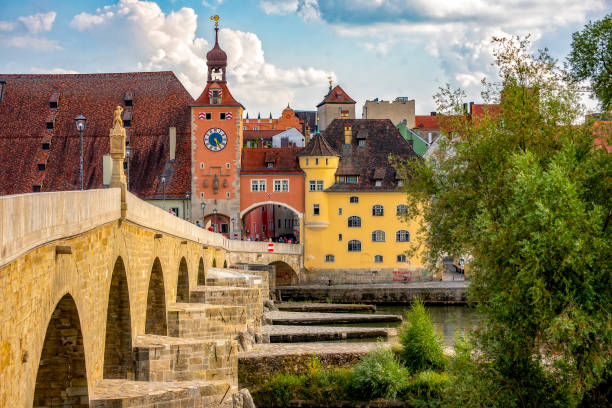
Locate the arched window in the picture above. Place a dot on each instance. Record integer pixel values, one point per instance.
(354, 246)
(378, 236)
(378, 258)
(354, 221)
(401, 210)
(402, 236)
(378, 210)
(401, 258)
(329, 258)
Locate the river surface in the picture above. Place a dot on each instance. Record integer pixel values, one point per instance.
(447, 320)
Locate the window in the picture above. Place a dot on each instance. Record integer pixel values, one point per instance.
(129, 103)
(401, 258)
(222, 115)
(227, 165)
(281, 186)
(225, 228)
(270, 165)
(53, 105)
(202, 165)
(352, 179)
(401, 210)
(127, 123)
(258, 185)
(315, 185)
(49, 125)
(319, 185)
(339, 97)
(46, 147)
(354, 200)
(378, 236)
(354, 221)
(216, 97)
(339, 211)
(317, 161)
(354, 246)
(326, 162)
(36, 189)
(279, 223)
(402, 236)
(378, 183)
(361, 142)
(263, 228)
(41, 166)
(378, 210)
(227, 195)
(329, 258)
(315, 209)
(339, 237)
(378, 258)
(208, 116)
(307, 161)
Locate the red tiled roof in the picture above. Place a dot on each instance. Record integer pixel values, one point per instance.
(160, 102)
(285, 160)
(334, 94)
(371, 162)
(226, 97)
(260, 134)
(429, 122)
(318, 146)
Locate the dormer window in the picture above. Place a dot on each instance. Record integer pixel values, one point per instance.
(127, 118)
(361, 142)
(270, 165)
(36, 189)
(128, 99)
(46, 147)
(339, 97)
(215, 96)
(53, 100)
(49, 125)
(41, 166)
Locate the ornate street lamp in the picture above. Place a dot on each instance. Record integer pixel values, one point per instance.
(215, 219)
(81, 123)
(188, 211)
(233, 225)
(163, 180)
(128, 154)
(203, 205)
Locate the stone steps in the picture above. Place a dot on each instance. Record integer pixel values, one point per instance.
(178, 394)
(164, 358)
(250, 298)
(300, 334)
(206, 321)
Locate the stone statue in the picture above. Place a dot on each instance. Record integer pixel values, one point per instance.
(117, 120)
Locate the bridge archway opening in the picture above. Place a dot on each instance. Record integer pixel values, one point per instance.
(182, 284)
(156, 321)
(284, 273)
(271, 220)
(214, 264)
(219, 223)
(201, 275)
(225, 264)
(119, 360)
(62, 376)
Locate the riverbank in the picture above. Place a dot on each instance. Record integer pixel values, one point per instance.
(436, 293)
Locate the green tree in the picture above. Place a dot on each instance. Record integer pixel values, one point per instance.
(591, 58)
(522, 193)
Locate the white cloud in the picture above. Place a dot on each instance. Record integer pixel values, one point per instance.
(7, 26)
(39, 22)
(53, 71)
(307, 9)
(32, 43)
(160, 41)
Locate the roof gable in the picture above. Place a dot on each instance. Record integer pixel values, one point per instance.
(337, 95)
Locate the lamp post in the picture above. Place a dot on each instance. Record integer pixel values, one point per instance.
(163, 180)
(186, 210)
(81, 123)
(233, 225)
(203, 205)
(215, 219)
(128, 154)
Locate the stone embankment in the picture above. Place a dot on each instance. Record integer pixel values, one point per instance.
(445, 292)
(305, 318)
(324, 307)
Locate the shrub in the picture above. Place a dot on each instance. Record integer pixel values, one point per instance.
(279, 390)
(426, 388)
(379, 375)
(328, 385)
(422, 347)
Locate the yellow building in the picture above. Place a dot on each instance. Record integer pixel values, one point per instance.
(354, 232)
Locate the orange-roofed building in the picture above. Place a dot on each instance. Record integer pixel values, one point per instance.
(287, 120)
(335, 105)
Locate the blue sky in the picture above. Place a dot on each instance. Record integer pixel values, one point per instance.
(282, 51)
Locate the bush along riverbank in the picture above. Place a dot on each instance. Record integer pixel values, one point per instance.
(412, 373)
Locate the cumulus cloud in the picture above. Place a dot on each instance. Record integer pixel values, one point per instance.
(160, 41)
(458, 32)
(32, 43)
(39, 22)
(7, 26)
(57, 70)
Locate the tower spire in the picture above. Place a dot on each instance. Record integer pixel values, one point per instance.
(216, 59)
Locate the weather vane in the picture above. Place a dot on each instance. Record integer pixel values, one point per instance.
(215, 18)
(330, 80)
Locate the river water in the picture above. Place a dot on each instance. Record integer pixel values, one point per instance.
(447, 320)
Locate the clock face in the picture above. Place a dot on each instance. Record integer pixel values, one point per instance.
(215, 139)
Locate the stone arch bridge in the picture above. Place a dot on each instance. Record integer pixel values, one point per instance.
(105, 303)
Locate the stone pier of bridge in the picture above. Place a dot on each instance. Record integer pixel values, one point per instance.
(109, 301)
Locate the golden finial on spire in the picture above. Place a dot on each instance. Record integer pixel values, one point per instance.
(215, 18)
(330, 81)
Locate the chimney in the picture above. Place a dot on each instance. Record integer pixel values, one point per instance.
(172, 143)
(433, 113)
(471, 104)
(465, 108)
(348, 134)
(307, 132)
(429, 137)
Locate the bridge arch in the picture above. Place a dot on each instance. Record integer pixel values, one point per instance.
(201, 273)
(285, 275)
(275, 222)
(118, 354)
(61, 379)
(182, 283)
(156, 321)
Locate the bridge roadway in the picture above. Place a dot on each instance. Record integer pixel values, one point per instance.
(91, 288)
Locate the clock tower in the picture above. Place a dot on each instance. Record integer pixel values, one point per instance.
(216, 143)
